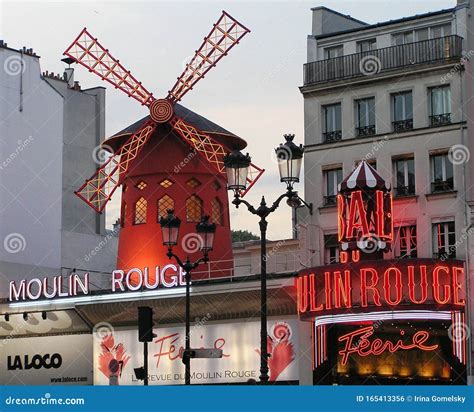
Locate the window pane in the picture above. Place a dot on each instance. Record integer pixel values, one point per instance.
(332, 117)
(397, 39)
(437, 168)
(449, 169)
(400, 173)
(398, 107)
(408, 106)
(440, 100)
(366, 115)
(408, 37)
(411, 172)
(421, 34)
(436, 32)
(332, 52)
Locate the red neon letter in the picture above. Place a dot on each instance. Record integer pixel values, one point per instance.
(364, 287)
(458, 285)
(312, 294)
(341, 217)
(327, 289)
(342, 289)
(436, 286)
(381, 214)
(302, 293)
(357, 219)
(398, 286)
(423, 284)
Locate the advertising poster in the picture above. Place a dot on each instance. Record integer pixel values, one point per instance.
(49, 360)
(118, 352)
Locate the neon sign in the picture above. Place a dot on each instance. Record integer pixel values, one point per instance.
(134, 279)
(358, 342)
(380, 284)
(364, 215)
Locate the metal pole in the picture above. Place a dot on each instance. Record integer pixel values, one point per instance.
(187, 365)
(263, 293)
(145, 363)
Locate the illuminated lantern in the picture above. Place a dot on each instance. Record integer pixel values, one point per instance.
(365, 212)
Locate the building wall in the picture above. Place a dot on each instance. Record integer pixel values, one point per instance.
(424, 208)
(47, 138)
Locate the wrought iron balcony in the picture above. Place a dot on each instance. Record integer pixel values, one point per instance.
(330, 200)
(401, 191)
(442, 49)
(440, 186)
(440, 119)
(365, 131)
(402, 125)
(334, 136)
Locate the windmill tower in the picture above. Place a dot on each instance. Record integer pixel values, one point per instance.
(171, 159)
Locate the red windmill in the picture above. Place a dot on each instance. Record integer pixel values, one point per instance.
(188, 175)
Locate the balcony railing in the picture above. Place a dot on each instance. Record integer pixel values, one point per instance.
(330, 200)
(365, 131)
(334, 136)
(447, 48)
(401, 191)
(440, 119)
(442, 186)
(402, 125)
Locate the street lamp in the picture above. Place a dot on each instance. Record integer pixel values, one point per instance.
(289, 158)
(170, 234)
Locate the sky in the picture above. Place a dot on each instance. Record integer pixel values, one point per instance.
(252, 92)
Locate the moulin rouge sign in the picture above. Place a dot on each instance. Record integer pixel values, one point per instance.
(135, 279)
(384, 284)
(363, 279)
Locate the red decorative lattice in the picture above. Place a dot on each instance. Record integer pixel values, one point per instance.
(225, 34)
(88, 52)
(212, 151)
(97, 190)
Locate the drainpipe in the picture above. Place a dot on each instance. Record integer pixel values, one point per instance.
(468, 226)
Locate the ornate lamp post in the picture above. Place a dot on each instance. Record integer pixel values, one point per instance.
(170, 234)
(290, 158)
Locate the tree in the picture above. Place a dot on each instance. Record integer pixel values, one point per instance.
(243, 235)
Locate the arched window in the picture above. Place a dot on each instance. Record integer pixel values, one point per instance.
(141, 207)
(193, 209)
(216, 211)
(165, 203)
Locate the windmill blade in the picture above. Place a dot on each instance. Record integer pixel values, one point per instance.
(98, 190)
(87, 51)
(211, 150)
(254, 174)
(225, 34)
